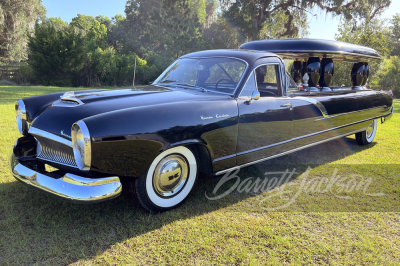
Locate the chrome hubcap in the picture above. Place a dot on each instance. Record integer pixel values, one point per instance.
(370, 129)
(170, 175)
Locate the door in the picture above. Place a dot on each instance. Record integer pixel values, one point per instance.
(266, 124)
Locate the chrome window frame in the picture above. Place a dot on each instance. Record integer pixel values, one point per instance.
(248, 78)
(206, 57)
(287, 85)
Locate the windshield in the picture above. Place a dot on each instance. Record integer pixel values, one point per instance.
(215, 74)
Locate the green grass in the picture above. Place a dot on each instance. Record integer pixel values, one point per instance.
(237, 229)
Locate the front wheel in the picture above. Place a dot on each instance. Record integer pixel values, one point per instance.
(367, 136)
(168, 181)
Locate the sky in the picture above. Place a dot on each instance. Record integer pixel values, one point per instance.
(67, 10)
(321, 26)
(325, 26)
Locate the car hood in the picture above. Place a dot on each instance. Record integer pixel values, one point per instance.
(58, 119)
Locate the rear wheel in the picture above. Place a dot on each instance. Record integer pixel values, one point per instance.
(168, 181)
(367, 136)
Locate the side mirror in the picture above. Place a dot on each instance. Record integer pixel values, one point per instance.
(254, 96)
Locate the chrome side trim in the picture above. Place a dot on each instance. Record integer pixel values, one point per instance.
(305, 136)
(332, 116)
(288, 152)
(224, 158)
(317, 103)
(47, 135)
(69, 187)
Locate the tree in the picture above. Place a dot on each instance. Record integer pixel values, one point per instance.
(389, 77)
(138, 14)
(164, 30)
(116, 33)
(83, 22)
(56, 54)
(94, 30)
(17, 19)
(373, 34)
(250, 17)
(395, 35)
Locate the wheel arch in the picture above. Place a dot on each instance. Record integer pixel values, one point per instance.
(201, 152)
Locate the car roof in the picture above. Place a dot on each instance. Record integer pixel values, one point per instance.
(305, 48)
(247, 55)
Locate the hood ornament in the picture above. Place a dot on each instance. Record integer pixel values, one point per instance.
(70, 96)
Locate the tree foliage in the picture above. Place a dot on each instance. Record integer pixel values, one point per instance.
(394, 38)
(164, 30)
(17, 19)
(74, 55)
(250, 17)
(56, 52)
(389, 76)
(375, 33)
(97, 51)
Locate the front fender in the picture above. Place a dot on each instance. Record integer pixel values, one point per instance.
(125, 142)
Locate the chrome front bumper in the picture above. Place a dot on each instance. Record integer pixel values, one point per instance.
(69, 186)
(387, 116)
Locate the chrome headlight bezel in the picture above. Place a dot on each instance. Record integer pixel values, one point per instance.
(21, 117)
(82, 145)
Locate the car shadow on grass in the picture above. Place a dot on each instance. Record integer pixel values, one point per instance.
(36, 228)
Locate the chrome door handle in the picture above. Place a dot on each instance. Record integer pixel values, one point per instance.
(287, 105)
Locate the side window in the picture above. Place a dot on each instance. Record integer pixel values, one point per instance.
(292, 86)
(249, 87)
(268, 82)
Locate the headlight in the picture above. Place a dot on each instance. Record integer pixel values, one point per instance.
(82, 145)
(20, 112)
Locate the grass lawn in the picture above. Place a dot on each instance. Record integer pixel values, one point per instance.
(343, 226)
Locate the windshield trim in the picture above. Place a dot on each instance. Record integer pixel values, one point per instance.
(197, 57)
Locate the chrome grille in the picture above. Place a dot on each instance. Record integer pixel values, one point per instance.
(54, 151)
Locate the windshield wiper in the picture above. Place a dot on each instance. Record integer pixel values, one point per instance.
(192, 86)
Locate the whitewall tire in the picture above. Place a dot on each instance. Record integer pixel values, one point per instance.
(168, 181)
(367, 136)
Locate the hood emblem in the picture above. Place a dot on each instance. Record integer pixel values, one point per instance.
(70, 96)
(65, 135)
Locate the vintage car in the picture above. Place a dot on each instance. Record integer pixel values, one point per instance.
(210, 112)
